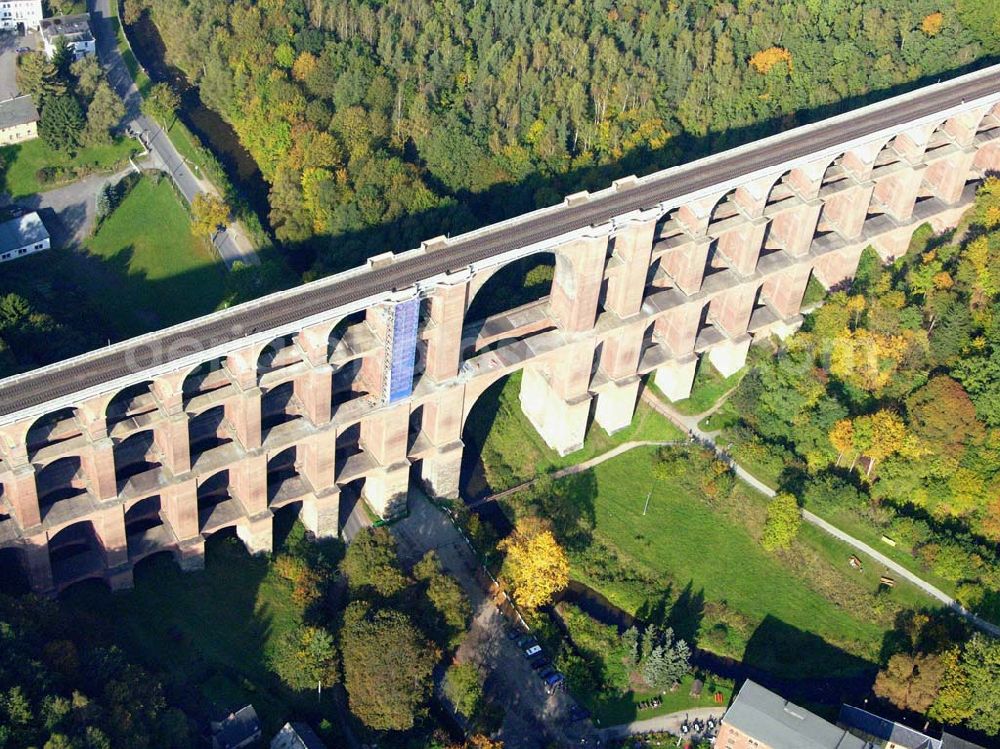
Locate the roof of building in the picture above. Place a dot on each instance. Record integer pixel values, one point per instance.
(950, 741)
(885, 729)
(296, 736)
(21, 232)
(77, 26)
(238, 727)
(771, 719)
(17, 111)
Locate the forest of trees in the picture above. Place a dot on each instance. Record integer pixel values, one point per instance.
(885, 408)
(425, 117)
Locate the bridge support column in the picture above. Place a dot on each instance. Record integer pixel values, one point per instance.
(314, 390)
(785, 290)
(633, 247)
(248, 484)
(444, 343)
(730, 356)
(833, 268)
(576, 287)
(321, 513)
(741, 247)
(180, 510)
(110, 527)
(678, 328)
(674, 379)
(794, 229)
(616, 404)
(947, 176)
(442, 470)
(243, 412)
(173, 440)
(847, 209)
(893, 244)
(987, 159)
(562, 422)
(386, 489)
(686, 265)
(120, 578)
(21, 491)
(99, 468)
(191, 554)
(730, 310)
(37, 563)
(898, 192)
(317, 460)
(257, 534)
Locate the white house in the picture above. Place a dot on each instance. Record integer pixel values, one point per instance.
(15, 12)
(74, 29)
(23, 236)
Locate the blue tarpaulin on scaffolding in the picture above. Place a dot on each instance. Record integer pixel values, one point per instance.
(406, 316)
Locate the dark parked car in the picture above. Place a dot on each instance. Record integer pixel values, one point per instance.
(547, 672)
(578, 712)
(22, 50)
(540, 662)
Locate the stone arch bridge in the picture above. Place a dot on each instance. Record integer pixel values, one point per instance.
(365, 379)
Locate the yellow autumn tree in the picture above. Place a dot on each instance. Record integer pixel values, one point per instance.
(931, 25)
(536, 567)
(842, 438)
(766, 59)
(866, 359)
(208, 213)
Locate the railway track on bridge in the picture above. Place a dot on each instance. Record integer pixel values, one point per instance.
(130, 357)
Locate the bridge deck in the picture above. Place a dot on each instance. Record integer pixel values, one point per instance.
(285, 308)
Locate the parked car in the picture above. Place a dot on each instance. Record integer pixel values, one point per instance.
(554, 682)
(539, 663)
(513, 634)
(22, 50)
(524, 641)
(546, 673)
(533, 650)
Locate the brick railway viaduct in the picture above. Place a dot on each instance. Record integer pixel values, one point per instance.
(156, 443)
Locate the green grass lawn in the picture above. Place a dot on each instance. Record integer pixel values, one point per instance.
(209, 631)
(709, 385)
(155, 273)
(25, 159)
(613, 711)
(513, 452)
(798, 613)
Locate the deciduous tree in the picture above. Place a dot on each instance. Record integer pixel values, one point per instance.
(535, 566)
(783, 521)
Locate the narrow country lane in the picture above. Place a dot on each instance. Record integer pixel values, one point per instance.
(232, 244)
(690, 425)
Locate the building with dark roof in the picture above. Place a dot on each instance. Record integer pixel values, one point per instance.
(74, 29)
(18, 120)
(23, 236)
(948, 741)
(296, 736)
(883, 732)
(238, 730)
(761, 719)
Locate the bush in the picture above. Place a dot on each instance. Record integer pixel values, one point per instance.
(783, 521)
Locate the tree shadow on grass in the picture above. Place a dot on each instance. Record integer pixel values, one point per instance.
(205, 632)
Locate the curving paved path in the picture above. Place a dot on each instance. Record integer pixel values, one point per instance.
(670, 722)
(690, 424)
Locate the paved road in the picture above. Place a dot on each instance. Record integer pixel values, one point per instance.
(271, 313)
(690, 423)
(69, 211)
(670, 722)
(532, 719)
(232, 245)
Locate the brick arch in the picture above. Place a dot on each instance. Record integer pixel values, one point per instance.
(134, 399)
(204, 377)
(75, 554)
(482, 277)
(52, 428)
(278, 353)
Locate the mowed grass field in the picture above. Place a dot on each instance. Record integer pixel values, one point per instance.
(797, 613)
(512, 451)
(25, 159)
(154, 271)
